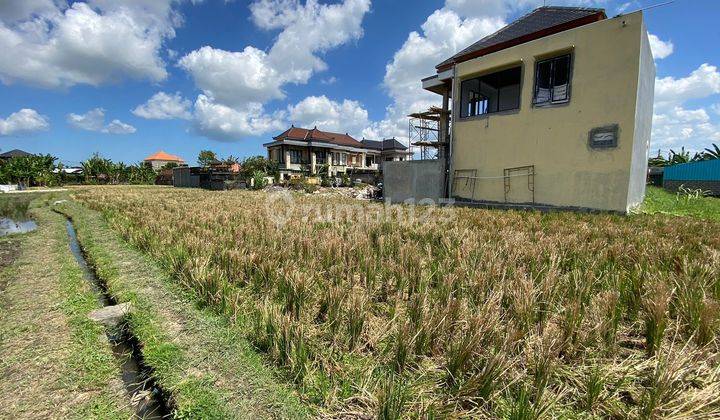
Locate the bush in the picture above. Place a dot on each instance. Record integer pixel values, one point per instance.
(259, 181)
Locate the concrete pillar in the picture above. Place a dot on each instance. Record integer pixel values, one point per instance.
(287, 158)
(313, 163)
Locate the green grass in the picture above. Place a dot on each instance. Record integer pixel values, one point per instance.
(198, 356)
(658, 200)
(54, 361)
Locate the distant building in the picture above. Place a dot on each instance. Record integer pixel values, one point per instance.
(390, 150)
(160, 159)
(13, 154)
(299, 151)
(703, 175)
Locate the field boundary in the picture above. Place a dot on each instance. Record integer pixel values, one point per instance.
(198, 356)
(55, 361)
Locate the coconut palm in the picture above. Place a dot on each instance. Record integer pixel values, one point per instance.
(713, 153)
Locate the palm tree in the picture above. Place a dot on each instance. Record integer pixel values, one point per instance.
(713, 153)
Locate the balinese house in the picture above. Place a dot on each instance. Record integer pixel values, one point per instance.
(391, 150)
(554, 109)
(300, 151)
(161, 159)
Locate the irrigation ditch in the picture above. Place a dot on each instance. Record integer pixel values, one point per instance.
(148, 399)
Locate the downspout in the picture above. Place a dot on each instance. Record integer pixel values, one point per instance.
(448, 155)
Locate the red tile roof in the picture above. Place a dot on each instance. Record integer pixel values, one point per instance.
(303, 134)
(161, 155)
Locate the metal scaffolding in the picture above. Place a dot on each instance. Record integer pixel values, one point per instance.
(424, 132)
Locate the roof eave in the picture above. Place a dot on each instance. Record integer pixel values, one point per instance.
(595, 17)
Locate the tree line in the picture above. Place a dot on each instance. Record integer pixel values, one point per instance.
(684, 156)
(42, 170)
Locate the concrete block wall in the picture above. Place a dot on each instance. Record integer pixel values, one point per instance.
(414, 179)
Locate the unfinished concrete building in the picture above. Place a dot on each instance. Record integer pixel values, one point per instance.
(553, 110)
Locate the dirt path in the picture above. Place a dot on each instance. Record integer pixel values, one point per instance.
(54, 362)
(202, 359)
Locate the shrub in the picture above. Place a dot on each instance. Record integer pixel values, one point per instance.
(259, 180)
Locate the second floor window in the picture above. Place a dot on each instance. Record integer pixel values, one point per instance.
(495, 92)
(552, 80)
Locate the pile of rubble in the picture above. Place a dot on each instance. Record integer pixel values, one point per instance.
(365, 192)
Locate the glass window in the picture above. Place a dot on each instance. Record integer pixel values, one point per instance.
(321, 157)
(295, 156)
(491, 93)
(552, 80)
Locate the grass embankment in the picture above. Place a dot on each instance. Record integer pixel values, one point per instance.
(467, 313)
(54, 361)
(209, 369)
(660, 201)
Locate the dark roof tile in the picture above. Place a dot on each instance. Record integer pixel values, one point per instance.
(535, 22)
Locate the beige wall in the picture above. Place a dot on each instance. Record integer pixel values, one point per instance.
(604, 85)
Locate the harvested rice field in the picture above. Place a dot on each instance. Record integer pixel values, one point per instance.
(391, 312)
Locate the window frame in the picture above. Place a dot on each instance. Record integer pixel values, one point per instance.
(300, 158)
(484, 104)
(571, 66)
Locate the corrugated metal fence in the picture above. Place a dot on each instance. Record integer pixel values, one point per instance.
(705, 170)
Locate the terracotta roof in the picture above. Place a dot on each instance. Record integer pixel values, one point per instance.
(161, 155)
(386, 144)
(303, 134)
(539, 23)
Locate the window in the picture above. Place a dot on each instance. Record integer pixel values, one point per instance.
(369, 160)
(295, 156)
(491, 93)
(339, 159)
(552, 81)
(321, 157)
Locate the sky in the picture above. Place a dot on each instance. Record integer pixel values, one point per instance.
(126, 78)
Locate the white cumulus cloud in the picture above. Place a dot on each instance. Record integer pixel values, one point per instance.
(660, 49)
(328, 115)
(444, 32)
(224, 123)
(701, 83)
(674, 125)
(25, 121)
(163, 106)
(57, 44)
(237, 84)
(94, 120)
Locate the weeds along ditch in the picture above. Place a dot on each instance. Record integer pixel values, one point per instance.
(147, 399)
(462, 312)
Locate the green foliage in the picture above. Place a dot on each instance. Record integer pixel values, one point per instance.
(170, 165)
(206, 158)
(683, 156)
(99, 170)
(29, 170)
(253, 164)
(259, 181)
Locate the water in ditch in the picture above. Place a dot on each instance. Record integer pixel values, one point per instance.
(13, 218)
(145, 396)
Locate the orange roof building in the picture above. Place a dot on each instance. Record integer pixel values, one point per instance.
(160, 159)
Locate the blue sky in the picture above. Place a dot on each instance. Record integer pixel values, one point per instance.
(128, 78)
